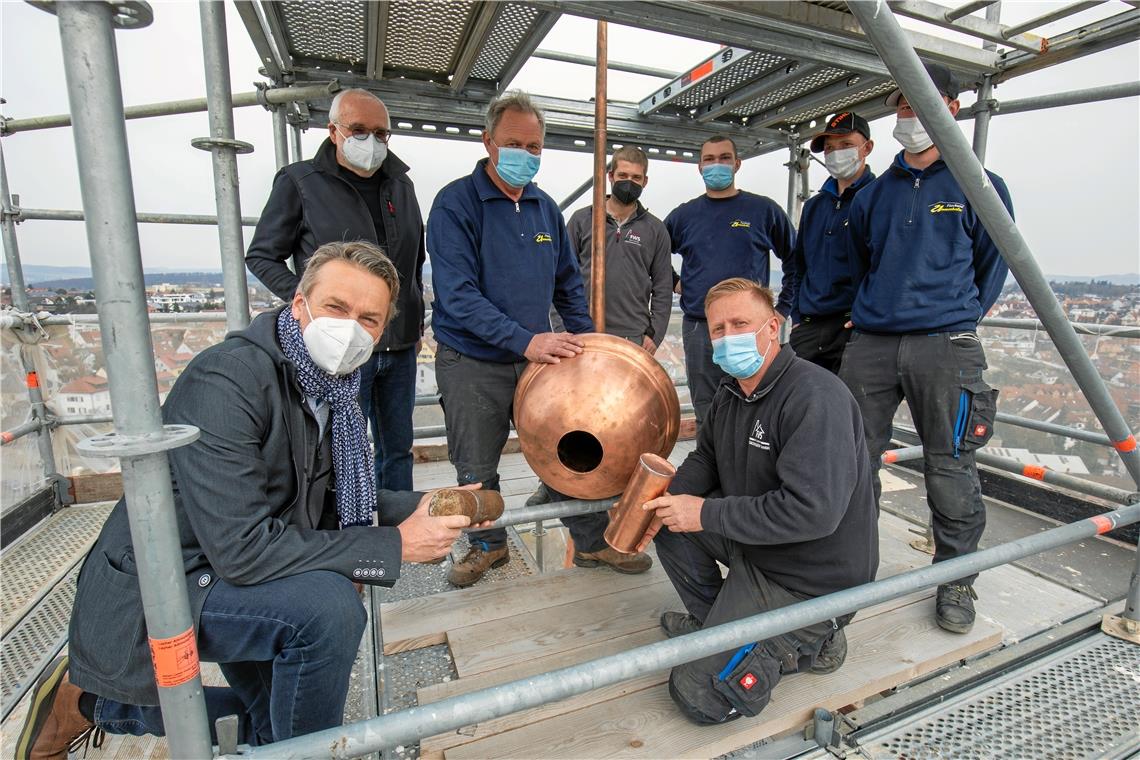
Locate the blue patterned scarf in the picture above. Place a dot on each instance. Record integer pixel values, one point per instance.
(352, 461)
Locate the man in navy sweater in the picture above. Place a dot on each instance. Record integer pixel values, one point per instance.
(925, 272)
(724, 233)
(821, 311)
(500, 258)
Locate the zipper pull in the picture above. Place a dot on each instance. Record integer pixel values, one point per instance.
(916, 181)
(838, 204)
(517, 209)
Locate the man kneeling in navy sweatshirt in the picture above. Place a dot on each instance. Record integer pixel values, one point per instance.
(779, 490)
(925, 271)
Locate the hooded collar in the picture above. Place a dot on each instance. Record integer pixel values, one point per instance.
(325, 160)
(831, 184)
(772, 375)
(903, 169)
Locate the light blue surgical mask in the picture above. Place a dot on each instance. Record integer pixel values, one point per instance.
(716, 176)
(517, 166)
(737, 354)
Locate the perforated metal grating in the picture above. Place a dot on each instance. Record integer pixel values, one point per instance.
(329, 31)
(55, 545)
(425, 36)
(35, 640)
(1080, 703)
(728, 79)
(813, 81)
(838, 104)
(512, 27)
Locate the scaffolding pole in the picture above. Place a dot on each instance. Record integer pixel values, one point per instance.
(27, 361)
(1059, 99)
(295, 142)
(192, 105)
(96, 101)
(143, 217)
(280, 137)
(884, 32)
(407, 726)
(223, 150)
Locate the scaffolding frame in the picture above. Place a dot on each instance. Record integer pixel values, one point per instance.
(863, 51)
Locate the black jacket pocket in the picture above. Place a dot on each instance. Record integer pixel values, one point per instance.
(979, 410)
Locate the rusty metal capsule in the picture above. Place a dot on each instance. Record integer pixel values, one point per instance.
(628, 521)
(583, 423)
(478, 505)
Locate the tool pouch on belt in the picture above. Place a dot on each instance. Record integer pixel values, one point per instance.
(749, 677)
(974, 425)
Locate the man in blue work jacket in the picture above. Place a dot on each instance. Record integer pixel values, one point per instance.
(821, 309)
(724, 232)
(500, 258)
(925, 272)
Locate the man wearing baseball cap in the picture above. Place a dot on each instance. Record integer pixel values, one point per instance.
(821, 311)
(925, 271)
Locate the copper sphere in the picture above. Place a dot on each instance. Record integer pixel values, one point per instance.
(584, 422)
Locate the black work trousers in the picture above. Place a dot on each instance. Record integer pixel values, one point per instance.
(940, 376)
(821, 340)
(730, 684)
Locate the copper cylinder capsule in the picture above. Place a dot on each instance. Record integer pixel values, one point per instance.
(478, 505)
(629, 521)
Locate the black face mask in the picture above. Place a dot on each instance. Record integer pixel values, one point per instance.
(626, 191)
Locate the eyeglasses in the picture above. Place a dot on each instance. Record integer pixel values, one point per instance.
(360, 133)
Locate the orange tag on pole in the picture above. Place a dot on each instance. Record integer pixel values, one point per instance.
(1035, 471)
(890, 456)
(175, 659)
(33, 380)
(1103, 524)
(1128, 444)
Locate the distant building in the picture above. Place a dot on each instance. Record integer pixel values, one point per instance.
(85, 395)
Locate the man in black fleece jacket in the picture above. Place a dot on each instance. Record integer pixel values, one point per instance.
(779, 490)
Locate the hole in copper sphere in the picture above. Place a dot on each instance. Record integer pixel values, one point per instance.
(580, 451)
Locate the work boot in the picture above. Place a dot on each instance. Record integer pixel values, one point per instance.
(541, 495)
(832, 655)
(478, 560)
(955, 607)
(54, 724)
(679, 623)
(630, 564)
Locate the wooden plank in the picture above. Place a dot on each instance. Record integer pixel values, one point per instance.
(414, 619)
(105, 486)
(496, 644)
(886, 650)
(535, 665)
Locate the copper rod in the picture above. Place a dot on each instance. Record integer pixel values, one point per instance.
(628, 521)
(598, 239)
(479, 505)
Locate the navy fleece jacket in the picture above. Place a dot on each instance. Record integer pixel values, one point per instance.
(921, 260)
(823, 251)
(497, 266)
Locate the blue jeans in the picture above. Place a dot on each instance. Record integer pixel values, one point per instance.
(286, 648)
(388, 398)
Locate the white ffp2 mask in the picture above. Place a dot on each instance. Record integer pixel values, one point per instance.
(338, 346)
(842, 164)
(912, 135)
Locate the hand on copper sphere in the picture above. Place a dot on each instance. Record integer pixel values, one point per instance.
(648, 344)
(551, 348)
(680, 514)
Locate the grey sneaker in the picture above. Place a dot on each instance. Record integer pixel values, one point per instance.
(832, 655)
(679, 623)
(541, 495)
(954, 607)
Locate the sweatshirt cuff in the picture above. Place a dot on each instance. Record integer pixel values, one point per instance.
(519, 341)
(711, 519)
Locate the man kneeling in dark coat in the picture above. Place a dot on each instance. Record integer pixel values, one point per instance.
(778, 489)
(275, 507)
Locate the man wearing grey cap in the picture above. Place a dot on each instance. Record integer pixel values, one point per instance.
(925, 271)
(821, 310)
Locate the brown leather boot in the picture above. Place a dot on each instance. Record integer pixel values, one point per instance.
(54, 723)
(631, 564)
(478, 561)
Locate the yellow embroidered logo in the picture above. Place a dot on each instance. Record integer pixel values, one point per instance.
(943, 207)
(739, 223)
(542, 237)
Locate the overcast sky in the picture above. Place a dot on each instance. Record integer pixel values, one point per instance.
(1074, 173)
